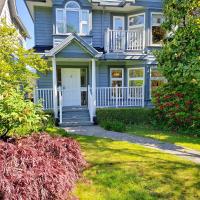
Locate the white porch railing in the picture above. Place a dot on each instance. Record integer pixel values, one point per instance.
(45, 95)
(105, 97)
(124, 40)
(119, 97)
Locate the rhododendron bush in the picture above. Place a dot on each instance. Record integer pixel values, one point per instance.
(39, 167)
(178, 110)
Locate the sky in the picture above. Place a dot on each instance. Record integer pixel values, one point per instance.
(26, 19)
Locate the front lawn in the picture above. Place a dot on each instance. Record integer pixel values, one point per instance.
(188, 141)
(125, 171)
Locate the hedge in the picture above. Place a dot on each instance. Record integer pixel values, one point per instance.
(125, 115)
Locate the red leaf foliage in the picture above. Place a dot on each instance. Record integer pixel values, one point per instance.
(39, 167)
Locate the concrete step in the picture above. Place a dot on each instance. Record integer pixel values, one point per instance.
(68, 124)
(75, 116)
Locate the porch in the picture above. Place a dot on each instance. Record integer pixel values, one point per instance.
(102, 97)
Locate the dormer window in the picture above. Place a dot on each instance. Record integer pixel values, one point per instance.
(72, 19)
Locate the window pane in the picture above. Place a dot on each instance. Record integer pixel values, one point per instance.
(136, 20)
(85, 15)
(72, 4)
(60, 27)
(134, 83)
(157, 34)
(155, 84)
(136, 73)
(157, 19)
(116, 73)
(59, 15)
(118, 23)
(85, 29)
(83, 77)
(72, 21)
(116, 83)
(155, 73)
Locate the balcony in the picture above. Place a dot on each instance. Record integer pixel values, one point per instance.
(124, 40)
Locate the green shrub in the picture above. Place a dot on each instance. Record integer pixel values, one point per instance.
(177, 109)
(113, 126)
(124, 115)
(19, 116)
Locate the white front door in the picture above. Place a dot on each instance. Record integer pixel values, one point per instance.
(71, 85)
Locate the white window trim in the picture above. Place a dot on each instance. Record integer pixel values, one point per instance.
(137, 78)
(121, 17)
(80, 21)
(151, 36)
(117, 79)
(162, 78)
(136, 26)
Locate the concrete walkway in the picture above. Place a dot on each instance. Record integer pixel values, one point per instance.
(146, 142)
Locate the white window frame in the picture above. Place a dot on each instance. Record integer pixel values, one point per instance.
(117, 79)
(136, 26)
(79, 10)
(161, 78)
(135, 79)
(60, 21)
(121, 17)
(151, 35)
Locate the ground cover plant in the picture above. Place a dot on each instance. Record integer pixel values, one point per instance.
(125, 171)
(39, 167)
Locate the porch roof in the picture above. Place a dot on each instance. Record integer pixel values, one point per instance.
(69, 40)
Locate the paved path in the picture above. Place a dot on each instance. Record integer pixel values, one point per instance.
(147, 142)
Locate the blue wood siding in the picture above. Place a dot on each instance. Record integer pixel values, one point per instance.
(43, 26)
(45, 81)
(100, 21)
(73, 50)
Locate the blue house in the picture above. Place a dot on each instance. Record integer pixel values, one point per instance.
(100, 52)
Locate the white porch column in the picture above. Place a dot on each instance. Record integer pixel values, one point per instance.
(94, 85)
(55, 93)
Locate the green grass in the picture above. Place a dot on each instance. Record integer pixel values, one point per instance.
(183, 140)
(125, 171)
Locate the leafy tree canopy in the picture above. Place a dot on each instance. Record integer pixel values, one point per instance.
(179, 59)
(14, 60)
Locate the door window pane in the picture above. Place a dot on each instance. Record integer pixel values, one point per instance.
(118, 23)
(117, 73)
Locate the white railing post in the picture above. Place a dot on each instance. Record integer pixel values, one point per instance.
(143, 92)
(60, 103)
(116, 96)
(55, 89)
(94, 86)
(107, 40)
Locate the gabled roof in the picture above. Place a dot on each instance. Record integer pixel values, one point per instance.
(2, 3)
(14, 14)
(74, 37)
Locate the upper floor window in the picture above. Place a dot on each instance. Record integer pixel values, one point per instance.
(72, 19)
(157, 33)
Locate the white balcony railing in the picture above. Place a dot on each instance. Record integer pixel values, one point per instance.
(122, 40)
